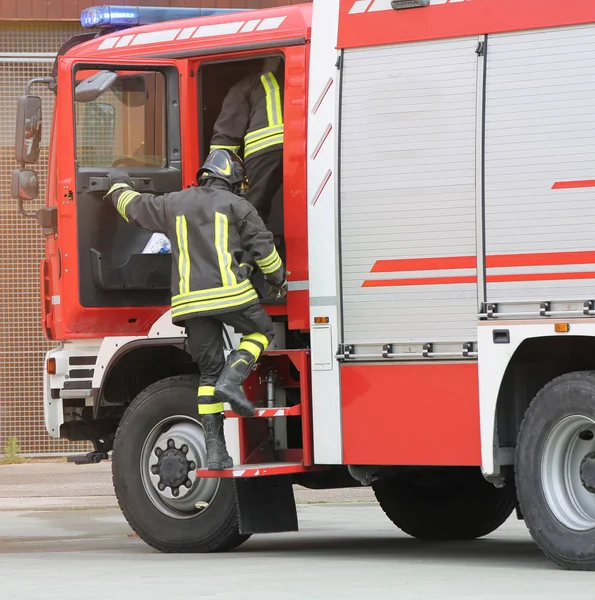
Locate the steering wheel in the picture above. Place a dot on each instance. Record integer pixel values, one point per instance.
(127, 161)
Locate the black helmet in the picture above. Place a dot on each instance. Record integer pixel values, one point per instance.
(224, 164)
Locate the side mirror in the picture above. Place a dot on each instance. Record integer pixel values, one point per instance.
(24, 186)
(91, 88)
(28, 130)
(132, 89)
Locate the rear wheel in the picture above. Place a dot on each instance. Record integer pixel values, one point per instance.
(158, 447)
(454, 503)
(555, 470)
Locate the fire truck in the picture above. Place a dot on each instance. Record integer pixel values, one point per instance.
(437, 216)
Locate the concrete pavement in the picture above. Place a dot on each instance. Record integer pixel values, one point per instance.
(347, 549)
(344, 551)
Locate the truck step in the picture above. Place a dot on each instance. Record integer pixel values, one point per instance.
(290, 411)
(256, 470)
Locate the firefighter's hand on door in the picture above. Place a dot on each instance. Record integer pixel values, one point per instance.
(119, 176)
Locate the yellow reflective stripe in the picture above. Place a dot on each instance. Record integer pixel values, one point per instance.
(124, 200)
(275, 140)
(267, 260)
(228, 279)
(117, 186)
(234, 149)
(259, 134)
(257, 340)
(184, 258)
(121, 197)
(240, 300)
(273, 97)
(234, 300)
(240, 360)
(251, 267)
(212, 293)
(251, 347)
(211, 409)
(274, 267)
(258, 337)
(271, 263)
(206, 390)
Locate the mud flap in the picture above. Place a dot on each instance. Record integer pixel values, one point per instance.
(266, 504)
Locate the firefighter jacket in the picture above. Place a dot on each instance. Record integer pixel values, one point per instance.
(210, 230)
(252, 116)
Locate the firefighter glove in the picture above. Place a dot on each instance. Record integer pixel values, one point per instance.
(246, 271)
(119, 176)
(276, 291)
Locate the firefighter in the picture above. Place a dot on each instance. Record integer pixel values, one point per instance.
(211, 228)
(252, 117)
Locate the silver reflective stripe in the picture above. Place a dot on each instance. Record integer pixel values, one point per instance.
(323, 301)
(296, 286)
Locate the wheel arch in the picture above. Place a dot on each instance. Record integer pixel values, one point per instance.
(535, 362)
(134, 366)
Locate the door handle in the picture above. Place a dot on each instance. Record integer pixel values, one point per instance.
(101, 184)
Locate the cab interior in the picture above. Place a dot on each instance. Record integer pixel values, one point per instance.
(125, 127)
(215, 79)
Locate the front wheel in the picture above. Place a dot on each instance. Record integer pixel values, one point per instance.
(555, 470)
(159, 445)
(445, 504)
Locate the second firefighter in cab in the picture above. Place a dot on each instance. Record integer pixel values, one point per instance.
(252, 118)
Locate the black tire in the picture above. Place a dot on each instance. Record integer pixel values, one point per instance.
(554, 408)
(454, 503)
(212, 530)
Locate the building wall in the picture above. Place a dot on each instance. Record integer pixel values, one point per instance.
(27, 47)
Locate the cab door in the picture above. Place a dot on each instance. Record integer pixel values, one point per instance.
(132, 125)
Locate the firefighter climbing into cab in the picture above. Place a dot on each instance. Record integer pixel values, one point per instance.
(212, 228)
(252, 117)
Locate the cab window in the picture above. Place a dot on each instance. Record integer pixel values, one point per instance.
(125, 125)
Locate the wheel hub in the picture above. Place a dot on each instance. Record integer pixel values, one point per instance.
(588, 472)
(173, 468)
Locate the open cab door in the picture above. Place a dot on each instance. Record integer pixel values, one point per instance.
(125, 117)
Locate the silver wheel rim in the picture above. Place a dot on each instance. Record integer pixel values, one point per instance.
(564, 451)
(184, 432)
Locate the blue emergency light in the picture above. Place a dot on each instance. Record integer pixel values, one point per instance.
(120, 17)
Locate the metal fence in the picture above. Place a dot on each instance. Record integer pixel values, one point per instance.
(26, 51)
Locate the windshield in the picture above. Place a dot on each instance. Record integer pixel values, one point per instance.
(125, 125)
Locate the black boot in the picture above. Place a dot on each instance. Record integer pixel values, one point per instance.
(217, 456)
(229, 387)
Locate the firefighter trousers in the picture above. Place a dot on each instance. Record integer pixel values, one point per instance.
(265, 177)
(205, 341)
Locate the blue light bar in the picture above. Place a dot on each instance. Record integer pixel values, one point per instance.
(120, 17)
